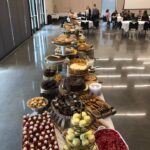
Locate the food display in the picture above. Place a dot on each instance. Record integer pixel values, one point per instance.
(83, 46)
(74, 84)
(79, 137)
(64, 39)
(72, 108)
(98, 107)
(78, 66)
(68, 51)
(39, 133)
(52, 59)
(37, 103)
(109, 139)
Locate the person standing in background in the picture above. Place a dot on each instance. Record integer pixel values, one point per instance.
(95, 16)
(145, 16)
(108, 17)
(88, 12)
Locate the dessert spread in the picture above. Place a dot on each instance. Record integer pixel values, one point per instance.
(37, 102)
(39, 133)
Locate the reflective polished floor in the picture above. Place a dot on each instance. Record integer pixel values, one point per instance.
(124, 68)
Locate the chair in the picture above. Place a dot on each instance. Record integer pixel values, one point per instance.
(146, 27)
(133, 29)
(85, 25)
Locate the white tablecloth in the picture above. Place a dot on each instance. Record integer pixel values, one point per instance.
(58, 15)
(55, 16)
(119, 19)
(91, 25)
(125, 25)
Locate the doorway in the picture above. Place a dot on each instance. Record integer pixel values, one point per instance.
(37, 14)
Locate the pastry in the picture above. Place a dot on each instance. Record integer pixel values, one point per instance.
(64, 39)
(84, 46)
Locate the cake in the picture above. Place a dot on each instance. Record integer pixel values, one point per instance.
(49, 87)
(49, 73)
(74, 84)
(55, 58)
(78, 66)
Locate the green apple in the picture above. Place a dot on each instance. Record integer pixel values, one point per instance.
(85, 142)
(82, 136)
(75, 121)
(82, 123)
(76, 142)
(87, 119)
(84, 114)
(77, 115)
(70, 136)
(66, 147)
(70, 130)
(90, 132)
(91, 138)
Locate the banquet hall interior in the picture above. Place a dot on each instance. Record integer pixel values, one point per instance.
(66, 60)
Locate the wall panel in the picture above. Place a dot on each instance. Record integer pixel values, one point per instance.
(6, 40)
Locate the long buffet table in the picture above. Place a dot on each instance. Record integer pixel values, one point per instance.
(32, 126)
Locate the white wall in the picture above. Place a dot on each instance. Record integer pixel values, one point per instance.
(119, 5)
(75, 5)
(49, 6)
